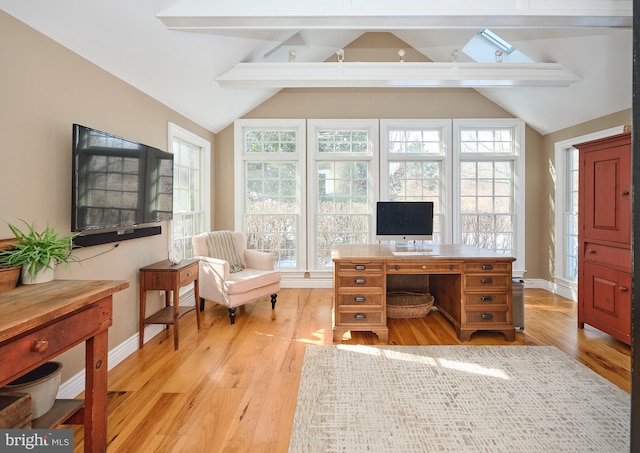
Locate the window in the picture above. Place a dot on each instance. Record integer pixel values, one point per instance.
(301, 190)
(191, 199)
(570, 214)
(270, 188)
(489, 173)
(416, 159)
(343, 168)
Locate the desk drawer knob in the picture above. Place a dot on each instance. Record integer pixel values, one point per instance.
(486, 298)
(40, 346)
(486, 280)
(360, 299)
(188, 274)
(487, 316)
(360, 281)
(360, 316)
(361, 267)
(487, 267)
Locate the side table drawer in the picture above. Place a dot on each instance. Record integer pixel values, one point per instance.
(28, 351)
(188, 275)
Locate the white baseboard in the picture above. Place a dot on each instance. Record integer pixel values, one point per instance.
(74, 386)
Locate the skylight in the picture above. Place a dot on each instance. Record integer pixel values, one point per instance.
(484, 45)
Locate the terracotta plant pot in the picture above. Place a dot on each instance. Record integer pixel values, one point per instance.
(9, 277)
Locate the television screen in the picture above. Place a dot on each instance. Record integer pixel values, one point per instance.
(118, 182)
(404, 220)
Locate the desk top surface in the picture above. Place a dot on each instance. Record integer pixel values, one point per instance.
(29, 306)
(385, 252)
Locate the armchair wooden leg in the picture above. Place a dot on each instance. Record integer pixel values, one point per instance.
(273, 301)
(202, 304)
(232, 315)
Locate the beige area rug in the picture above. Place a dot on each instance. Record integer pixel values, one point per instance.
(455, 399)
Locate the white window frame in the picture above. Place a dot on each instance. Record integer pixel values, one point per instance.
(313, 126)
(446, 192)
(563, 286)
(240, 126)
(180, 133)
(519, 179)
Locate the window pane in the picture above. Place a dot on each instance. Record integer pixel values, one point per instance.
(415, 141)
(276, 234)
(343, 141)
(487, 140)
(270, 141)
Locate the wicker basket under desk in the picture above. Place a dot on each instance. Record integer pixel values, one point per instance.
(405, 304)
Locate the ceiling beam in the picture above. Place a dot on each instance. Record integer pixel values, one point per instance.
(385, 15)
(395, 74)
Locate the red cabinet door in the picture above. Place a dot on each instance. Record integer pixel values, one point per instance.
(607, 197)
(606, 300)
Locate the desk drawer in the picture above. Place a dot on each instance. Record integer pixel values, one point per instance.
(487, 281)
(418, 267)
(487, 299)
(360, 267)
(23, 354)
(489, 266)
(361, 281)
(370, 300)
(359, 318)
(188, 275)
(487, 317)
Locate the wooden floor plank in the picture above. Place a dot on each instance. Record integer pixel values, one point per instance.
(233, 388)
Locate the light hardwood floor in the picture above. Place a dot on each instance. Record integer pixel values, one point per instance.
(234, 388)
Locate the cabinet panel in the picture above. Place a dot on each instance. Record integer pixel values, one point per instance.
(606, 301)
(607, 200)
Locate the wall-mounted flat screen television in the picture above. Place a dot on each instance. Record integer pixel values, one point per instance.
(404, 220)
(118, 182)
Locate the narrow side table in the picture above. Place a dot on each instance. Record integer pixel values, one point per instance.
(164, 276)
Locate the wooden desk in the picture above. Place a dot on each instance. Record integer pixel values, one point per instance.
(168, 277)
(471, 286)
(39, 322)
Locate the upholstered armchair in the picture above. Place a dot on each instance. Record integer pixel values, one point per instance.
(250, 277)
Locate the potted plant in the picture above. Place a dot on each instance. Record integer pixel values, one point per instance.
(37, 252)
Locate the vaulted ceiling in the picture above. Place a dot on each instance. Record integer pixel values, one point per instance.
(175, 50)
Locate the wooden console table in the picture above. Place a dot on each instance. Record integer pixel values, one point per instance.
(471, 286)
(168, 277)
(39, 322)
